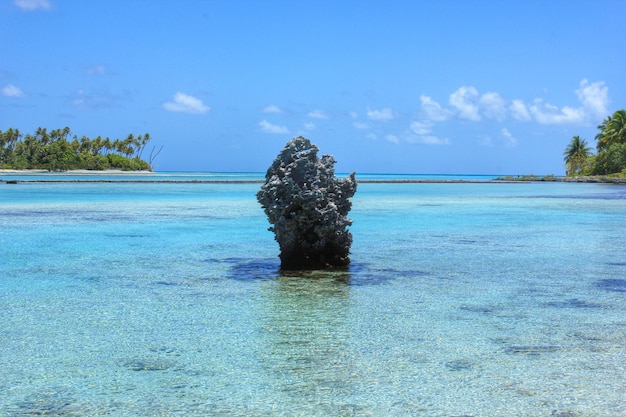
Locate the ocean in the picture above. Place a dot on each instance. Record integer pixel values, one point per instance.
(161, 295)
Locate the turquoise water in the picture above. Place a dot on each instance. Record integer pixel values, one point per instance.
(164, 299)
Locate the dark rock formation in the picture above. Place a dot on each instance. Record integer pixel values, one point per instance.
(307, 207)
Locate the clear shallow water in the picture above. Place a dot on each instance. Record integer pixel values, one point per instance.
(165, 299)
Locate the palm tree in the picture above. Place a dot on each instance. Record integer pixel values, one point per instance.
(126, 146)
(42, 136)
(108, 146)
(142, 141)
(612, 130)
(85, 145)
(96, 145)
(576, 155)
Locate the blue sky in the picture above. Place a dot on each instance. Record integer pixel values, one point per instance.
(457, 87)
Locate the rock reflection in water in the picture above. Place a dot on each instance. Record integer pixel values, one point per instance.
(304, 342)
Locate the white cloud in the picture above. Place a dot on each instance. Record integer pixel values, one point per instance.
(317, 114)
(464, 99)
(422, 133)
(381, 115)
(421, 128)
(309, 126)
(493, 106)
(271, 109)
(519, 111)
(594, 97)
(361, 125)
(466, 103)
(354, 115)
(10, 90)
(268, 127)
(392, 138)
(428, 140)
(433, 110)
(33, 4)
(185, 103)
(546, 113)
(509, 140)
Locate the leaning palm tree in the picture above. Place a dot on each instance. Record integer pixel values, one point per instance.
(576, 155)
(612, 130)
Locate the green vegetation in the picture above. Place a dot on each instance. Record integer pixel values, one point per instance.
(576, 155)
(55, 151)
(610, 159)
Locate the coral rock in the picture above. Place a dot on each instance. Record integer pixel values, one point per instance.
(307, 207)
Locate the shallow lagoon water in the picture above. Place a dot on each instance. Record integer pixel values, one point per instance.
(165, 299)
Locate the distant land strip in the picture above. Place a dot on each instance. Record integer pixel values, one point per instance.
(606, 180)
(122, 181)
(433, 181)
(116, 181)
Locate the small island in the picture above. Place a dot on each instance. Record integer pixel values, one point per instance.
(610, 159)
(607, 165)
(60, 150)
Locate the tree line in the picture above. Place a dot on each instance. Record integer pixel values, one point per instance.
(59, 150)
(610, 157)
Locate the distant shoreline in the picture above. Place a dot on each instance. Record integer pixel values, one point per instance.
(618, 181)
(601, 179)
(73, 172)
(120, 174)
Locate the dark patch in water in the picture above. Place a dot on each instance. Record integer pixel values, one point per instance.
(51, 402)
(531, 350)
(466, 241)
(31, 213)
(584, 337)
(364, 274)
(169, 283)
(573, 303)
(556, 413)
(617, 263)
(612, 284)
(246, 270)
(243, 269)
(147, 364)
(163, 350)
(459, 365)
(478, 309)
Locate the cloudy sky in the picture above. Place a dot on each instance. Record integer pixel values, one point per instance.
(389, 86)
